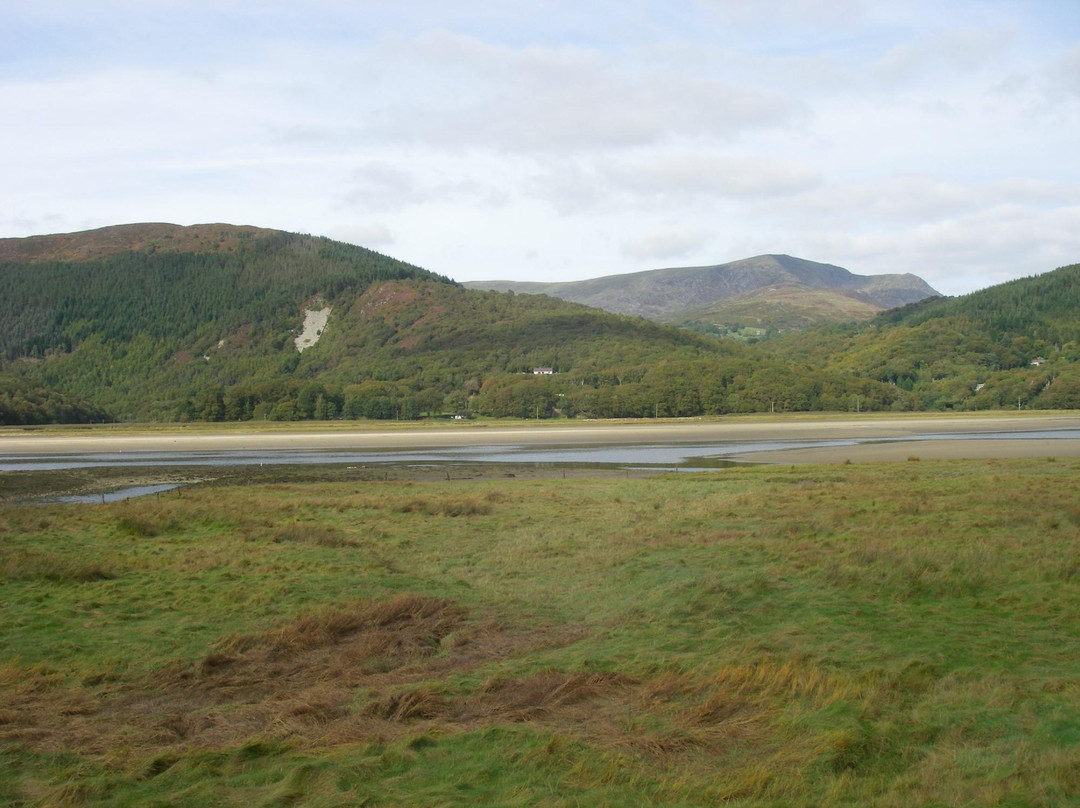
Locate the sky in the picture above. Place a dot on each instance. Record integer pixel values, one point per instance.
(551, 141)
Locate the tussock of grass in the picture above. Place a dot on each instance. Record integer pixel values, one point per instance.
(32, 565)
(408, 705)
(521, 699)
(446, 507)
(329, 625)
(317, 534)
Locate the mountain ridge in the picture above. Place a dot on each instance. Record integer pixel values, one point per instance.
(665, 295)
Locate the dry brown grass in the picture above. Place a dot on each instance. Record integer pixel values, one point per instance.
(350, 672)
(379, 671)
(31, 565)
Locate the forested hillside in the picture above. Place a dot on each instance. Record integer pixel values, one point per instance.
(171, 296)
(205, 324)
(108, 329)
(1012, 345)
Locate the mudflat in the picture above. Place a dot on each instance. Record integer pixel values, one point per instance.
(801, 427)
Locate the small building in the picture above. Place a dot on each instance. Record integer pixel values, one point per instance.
(543, 371)
(1038, 360)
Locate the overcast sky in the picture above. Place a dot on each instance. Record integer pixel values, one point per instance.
(561, 140)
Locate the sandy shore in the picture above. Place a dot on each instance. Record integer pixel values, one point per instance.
(967, 449)
(795, 428)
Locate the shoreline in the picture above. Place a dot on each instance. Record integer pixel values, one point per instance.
(883, 427)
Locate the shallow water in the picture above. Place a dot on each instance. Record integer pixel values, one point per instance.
(115, 496)
(697, 455)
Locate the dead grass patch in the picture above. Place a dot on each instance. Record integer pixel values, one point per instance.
(542, 694)
(318, 534)
(417, 621)
(379, 671)
(447, 506)
(35, 565)
(408, 705)
(359, 670)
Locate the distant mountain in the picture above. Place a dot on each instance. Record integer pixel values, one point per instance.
(764, 291)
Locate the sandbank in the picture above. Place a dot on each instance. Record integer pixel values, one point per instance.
(866, 427)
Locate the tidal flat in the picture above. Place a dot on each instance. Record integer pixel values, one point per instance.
(895, 634)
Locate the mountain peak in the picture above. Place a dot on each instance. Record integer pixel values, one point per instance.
(670, 295)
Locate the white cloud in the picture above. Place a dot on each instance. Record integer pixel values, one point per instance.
(381, 186)
(538, 100)
(538, 139)
(1064, 74)
(942, 57)
(688, 174)
(665, 244)
(373, 235)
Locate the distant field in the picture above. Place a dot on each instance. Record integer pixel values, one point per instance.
(903, 634)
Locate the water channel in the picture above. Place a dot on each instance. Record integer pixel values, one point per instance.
(671, 455)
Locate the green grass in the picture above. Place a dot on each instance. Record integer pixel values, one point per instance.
(896, 634)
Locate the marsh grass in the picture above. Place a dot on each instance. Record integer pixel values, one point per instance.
(31, 565)
(902, 634)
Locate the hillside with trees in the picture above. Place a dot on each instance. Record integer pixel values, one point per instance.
(156, 322)
(1016, 344)
(203, 325)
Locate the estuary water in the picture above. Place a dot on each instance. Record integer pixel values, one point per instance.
(674, 455)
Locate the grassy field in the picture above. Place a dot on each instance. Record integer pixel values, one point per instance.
(901, 634)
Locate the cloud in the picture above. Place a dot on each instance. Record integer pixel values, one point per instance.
(595, 137)
(373, 235)
(381, 186)
(940, 57)
(911, 201)
(538, 100)
(958, 255)
(665, 244)
(1064, 74)
(663, 177)
(686, 174)
(570, 188)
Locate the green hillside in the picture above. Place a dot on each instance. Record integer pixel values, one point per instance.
(1044, 308)
(203, 325)
(214, 322)
(1012, 345)
(176, 296)
(767, 312)
(113, 321)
